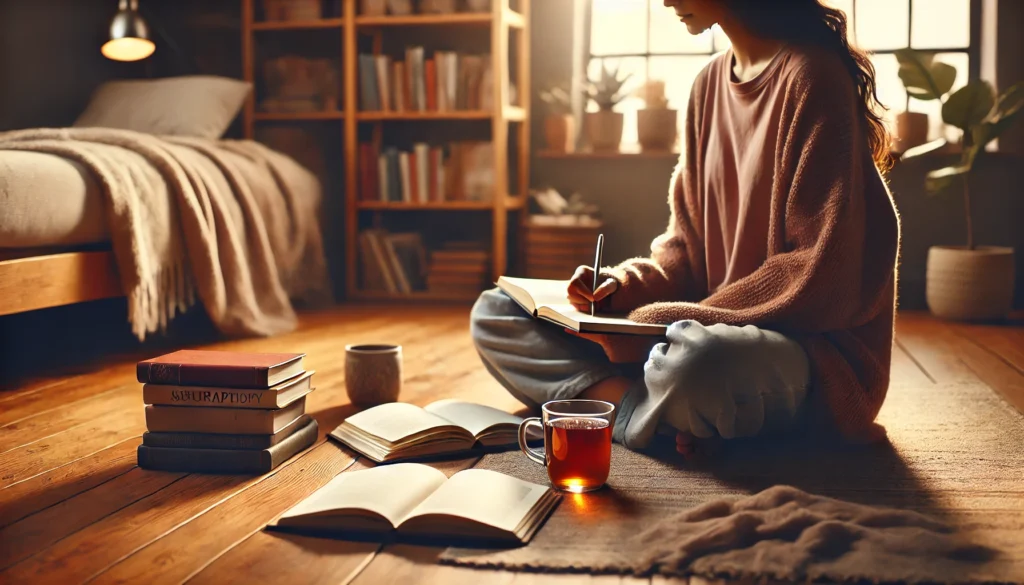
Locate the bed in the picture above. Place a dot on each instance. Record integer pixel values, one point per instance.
(143, 198)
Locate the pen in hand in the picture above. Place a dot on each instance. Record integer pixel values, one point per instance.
(598, 255)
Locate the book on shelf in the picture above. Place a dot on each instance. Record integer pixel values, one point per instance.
(447, 81)
(223, 421)
(212, 460)
(398, 430)
(192, 367)
(545, 299)
(395, 263)
(458, 171)
(277, 396)
(415, 502)
(179, 440)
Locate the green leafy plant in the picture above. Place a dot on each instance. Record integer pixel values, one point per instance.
(975, 109)
(606, 91)
(558, 99)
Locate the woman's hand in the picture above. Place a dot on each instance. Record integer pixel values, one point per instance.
(622, 349)
(580, 294)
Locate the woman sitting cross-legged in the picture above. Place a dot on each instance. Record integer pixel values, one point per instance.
(777, 273)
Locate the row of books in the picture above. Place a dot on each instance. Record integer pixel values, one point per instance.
(458, 171)
(224, 412)
(445, 82)
(398, 263)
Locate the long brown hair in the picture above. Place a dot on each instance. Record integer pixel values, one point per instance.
(812, 22)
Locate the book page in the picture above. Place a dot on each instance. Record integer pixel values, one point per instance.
(475, 418)
(542, 292)
(394, 421)
(567, 315)
(389, 490)
(485, 496)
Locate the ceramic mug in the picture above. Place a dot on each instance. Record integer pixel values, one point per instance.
(373, 373)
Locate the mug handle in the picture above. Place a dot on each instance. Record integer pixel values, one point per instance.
(536, 456)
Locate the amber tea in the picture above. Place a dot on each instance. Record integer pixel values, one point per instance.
(577, 443)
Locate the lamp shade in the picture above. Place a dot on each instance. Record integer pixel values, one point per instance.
(129, 35)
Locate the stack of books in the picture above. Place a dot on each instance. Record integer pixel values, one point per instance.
(224, 412)
(392, 263)
(458, 171)
(459, 268)
(445, 82)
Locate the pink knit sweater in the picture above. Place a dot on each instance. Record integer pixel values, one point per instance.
(829, 276)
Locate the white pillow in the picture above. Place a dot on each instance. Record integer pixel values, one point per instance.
(202, 106)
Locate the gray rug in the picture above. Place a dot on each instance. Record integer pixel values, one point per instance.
(955, 461)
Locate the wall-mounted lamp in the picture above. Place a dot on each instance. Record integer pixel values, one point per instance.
(129, 35)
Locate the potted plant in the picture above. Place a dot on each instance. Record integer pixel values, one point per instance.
(604, 127)
(657, 124)
(925, 79)
(559, 124)
(971, 282)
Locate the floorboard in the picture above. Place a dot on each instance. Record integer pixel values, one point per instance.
(75, 507)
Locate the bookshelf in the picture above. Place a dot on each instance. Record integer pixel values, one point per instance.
(505, 121)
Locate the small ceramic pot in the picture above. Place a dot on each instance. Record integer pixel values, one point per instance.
(911, 130)
(604, 129)
(373, 373)
(560, 132)
(657, 130)
(970, 285)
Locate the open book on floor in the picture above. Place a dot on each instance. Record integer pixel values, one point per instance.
(546, 299)
(415, 502)
(398, 430)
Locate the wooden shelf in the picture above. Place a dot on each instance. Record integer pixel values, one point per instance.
(442, 205)
(299, 24)
(424, 295)
(459, 18)
(449, 115)
(298, 116)
(586, 155)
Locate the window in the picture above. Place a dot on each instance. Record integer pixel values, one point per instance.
(644, 38)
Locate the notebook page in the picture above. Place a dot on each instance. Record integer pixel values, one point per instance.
(472, 417)
(544, 292)
(488, 497)
(395, 420)
(389, 490)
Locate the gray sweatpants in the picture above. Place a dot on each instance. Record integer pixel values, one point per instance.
(733, 381)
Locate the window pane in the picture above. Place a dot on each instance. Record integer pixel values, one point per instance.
(934, 108)
(722, 42)
(847, 7)
(618, 27)
(883, 24)
(891, 92)
(678, 74)
(668, 35)
(638, 67)
(941, 24)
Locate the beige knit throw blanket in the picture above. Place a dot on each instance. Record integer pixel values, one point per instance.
(231, 222)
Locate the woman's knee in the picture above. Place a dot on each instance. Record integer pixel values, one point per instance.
(491, 305)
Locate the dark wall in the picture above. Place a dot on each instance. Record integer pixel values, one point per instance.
(50, 59)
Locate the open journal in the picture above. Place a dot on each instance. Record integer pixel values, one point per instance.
(545, 299)
(398, 430)
(411, 501)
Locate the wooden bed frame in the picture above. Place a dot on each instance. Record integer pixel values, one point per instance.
(39, 281)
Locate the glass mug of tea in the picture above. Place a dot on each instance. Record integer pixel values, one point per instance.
(577, 443)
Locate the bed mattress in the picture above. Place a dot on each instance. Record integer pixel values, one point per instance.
(47, 200)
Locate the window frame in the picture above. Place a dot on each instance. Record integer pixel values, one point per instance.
(973, 49)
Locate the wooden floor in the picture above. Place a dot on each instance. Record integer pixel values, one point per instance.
(74, 507)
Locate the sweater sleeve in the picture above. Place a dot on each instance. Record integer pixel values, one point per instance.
(671, 272)
(835, 261)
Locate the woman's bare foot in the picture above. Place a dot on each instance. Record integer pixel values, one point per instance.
(693, 448)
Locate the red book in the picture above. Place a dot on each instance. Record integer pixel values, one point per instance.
(414, 183)
(430, 73)
(192, 367)
(432, 168)
(369, 188)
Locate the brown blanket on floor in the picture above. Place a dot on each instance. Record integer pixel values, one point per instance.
(230, 221)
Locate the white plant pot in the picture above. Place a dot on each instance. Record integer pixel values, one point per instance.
(970, 285)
